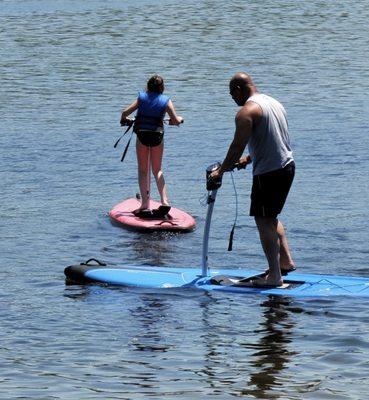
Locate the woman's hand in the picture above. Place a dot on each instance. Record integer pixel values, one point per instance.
(125, 121)
(176, 121)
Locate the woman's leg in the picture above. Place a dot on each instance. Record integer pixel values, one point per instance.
(156, 160)
(143, 163)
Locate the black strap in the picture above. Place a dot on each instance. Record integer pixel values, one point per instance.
(130, 124)
(230, 243)
(126, 149)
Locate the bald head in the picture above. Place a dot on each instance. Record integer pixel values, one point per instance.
(241, 79)
(241, 87)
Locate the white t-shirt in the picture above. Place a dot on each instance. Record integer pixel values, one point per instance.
(269, 144)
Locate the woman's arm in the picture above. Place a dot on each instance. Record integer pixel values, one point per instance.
(174, 118)
(129, 110)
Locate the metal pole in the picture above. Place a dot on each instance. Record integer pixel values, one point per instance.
(205, 240)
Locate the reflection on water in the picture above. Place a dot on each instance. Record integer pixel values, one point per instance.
(156, 248)
(228, 359)
(234, 345)
(272, 354)
(151, 248)
(150, 316)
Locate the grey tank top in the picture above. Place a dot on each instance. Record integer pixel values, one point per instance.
(269, 144)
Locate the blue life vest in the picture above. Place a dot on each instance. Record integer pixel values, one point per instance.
(151, 111)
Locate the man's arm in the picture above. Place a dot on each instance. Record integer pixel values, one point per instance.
(245, 119)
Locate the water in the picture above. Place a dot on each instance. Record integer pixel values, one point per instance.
(67, 69)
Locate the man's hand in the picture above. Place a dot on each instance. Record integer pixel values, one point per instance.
(242, 162)
(217, 174)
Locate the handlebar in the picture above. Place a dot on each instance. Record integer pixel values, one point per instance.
(211, 183)
(167, 120)
(214, 184)
(129, 122)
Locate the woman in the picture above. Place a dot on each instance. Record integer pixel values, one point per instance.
(151, 106)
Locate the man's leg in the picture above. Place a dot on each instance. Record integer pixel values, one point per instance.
(285, 258)
(269, 238)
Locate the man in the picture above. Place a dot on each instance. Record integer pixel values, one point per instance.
(262, 125)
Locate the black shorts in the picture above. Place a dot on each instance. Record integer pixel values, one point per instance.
(150, 138)
(270, 190)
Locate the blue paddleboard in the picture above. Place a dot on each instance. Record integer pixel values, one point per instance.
(226, 280)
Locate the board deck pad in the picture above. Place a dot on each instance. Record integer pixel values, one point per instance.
(175, 220)
(296, 284)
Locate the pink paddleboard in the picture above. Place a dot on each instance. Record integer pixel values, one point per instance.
(176, 219)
